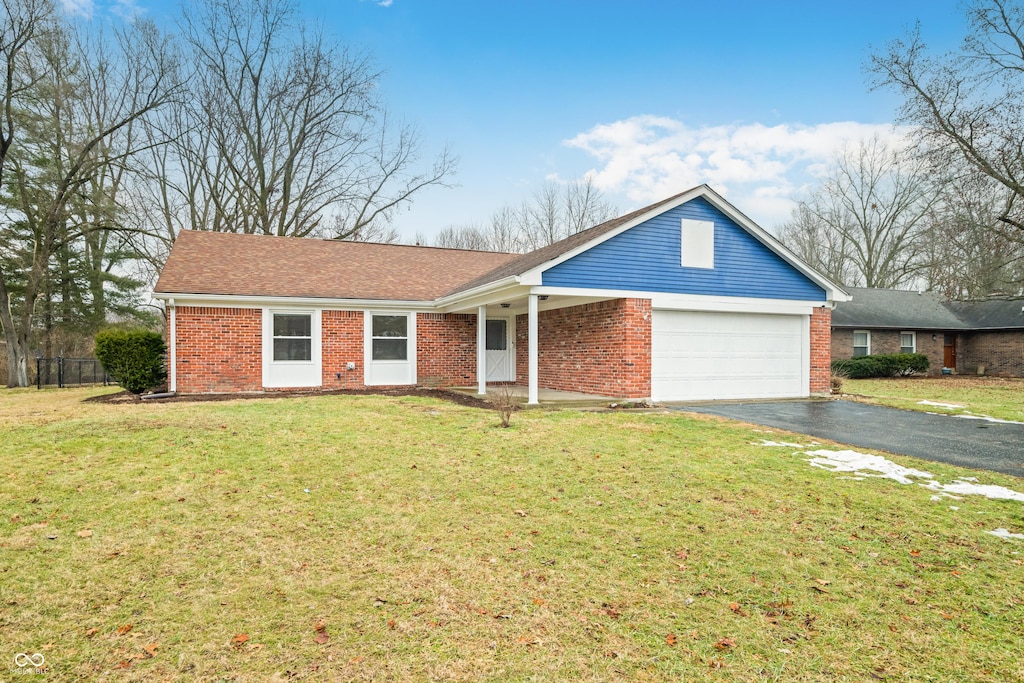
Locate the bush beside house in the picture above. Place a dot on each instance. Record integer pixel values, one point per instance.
(881, 365)
(135, 358)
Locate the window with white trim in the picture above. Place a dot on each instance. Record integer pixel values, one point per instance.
(293, 337)
(908, 342)
(390, 337)
(861, 343)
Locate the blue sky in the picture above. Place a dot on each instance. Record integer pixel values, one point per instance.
(650, 98)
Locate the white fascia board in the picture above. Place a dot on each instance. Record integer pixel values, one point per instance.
(493, 292)
(690, 302)
(237, 301)
(733, 304)
(833, 292)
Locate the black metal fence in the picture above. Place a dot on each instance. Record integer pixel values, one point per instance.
(70, 372)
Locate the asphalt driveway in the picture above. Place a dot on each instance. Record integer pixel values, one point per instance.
(980, 444)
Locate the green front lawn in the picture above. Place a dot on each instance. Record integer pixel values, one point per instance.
(1001, 398)
(402, 538)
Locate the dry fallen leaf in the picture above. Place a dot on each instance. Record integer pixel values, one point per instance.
(682, 553)
(240, 639)
(124, 629)
(123, 664)
(528, 640)
(521, 513)
(356, 659)
(735, 607)
(320, 625)
(822, 582)
(151, 649)
(84, 533)
(391, 624)
(671, 639)
(321, 637)
(725, 643)
(915, 553)
(90, 632)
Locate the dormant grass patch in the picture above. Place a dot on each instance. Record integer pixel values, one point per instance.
(401, 538)
(998, 397)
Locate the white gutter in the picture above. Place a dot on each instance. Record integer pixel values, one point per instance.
(173, 334)
(251, 301)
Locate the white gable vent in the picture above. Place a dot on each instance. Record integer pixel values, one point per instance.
(698, 244)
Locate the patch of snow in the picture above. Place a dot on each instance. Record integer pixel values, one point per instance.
(765, 442)
(863, 465)
(1004, 533)
(966, 488)
(940, 405)
(971, 416)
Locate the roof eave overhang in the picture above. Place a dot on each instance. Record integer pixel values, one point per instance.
(254, 301)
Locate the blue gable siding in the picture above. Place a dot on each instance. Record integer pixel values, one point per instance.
(647, 258)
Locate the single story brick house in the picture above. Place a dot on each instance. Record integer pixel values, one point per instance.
(976, 337)
(686, 299)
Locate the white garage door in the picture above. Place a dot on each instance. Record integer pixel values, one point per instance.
(698, 355)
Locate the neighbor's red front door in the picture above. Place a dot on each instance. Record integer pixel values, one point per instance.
(949, 351)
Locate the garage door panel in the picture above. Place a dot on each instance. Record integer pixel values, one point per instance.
(700, 355)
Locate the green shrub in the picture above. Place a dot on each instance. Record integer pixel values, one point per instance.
(882, 365)
(135, 358)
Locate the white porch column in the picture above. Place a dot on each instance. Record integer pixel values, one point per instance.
(172, 375)
(481, 350)
(532, 398)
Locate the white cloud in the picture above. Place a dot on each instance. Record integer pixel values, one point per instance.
(761, 168)
(78, 8)
(128, 10)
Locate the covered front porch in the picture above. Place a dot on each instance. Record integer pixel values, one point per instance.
(552, 346)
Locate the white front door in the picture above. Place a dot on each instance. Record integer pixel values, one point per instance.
(500, 358)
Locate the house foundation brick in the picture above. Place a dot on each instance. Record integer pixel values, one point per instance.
(218, 350)
(602, 348)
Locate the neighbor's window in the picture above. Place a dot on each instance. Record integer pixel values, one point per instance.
(908, 342)
(390, 337)
(861, 343)
(293, 338)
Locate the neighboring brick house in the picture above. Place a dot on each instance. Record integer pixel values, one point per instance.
(975, 337)
(686, 299)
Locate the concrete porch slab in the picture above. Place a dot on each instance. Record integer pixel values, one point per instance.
(546, 397)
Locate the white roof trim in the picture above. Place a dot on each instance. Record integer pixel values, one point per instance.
(253, 301)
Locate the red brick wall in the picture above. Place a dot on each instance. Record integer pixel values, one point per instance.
(821, 351)
(341, 343)
(1002, 353)
(601, 348)
(218, 349)
(446, 349)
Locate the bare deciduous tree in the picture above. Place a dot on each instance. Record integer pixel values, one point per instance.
(55, 146)
(864, 224)
(972, 253)
(282, 133)
(554, 212)
(970, 104)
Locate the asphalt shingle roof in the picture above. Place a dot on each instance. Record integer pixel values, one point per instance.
(893, 308)
(260, 265)
(911, 310)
